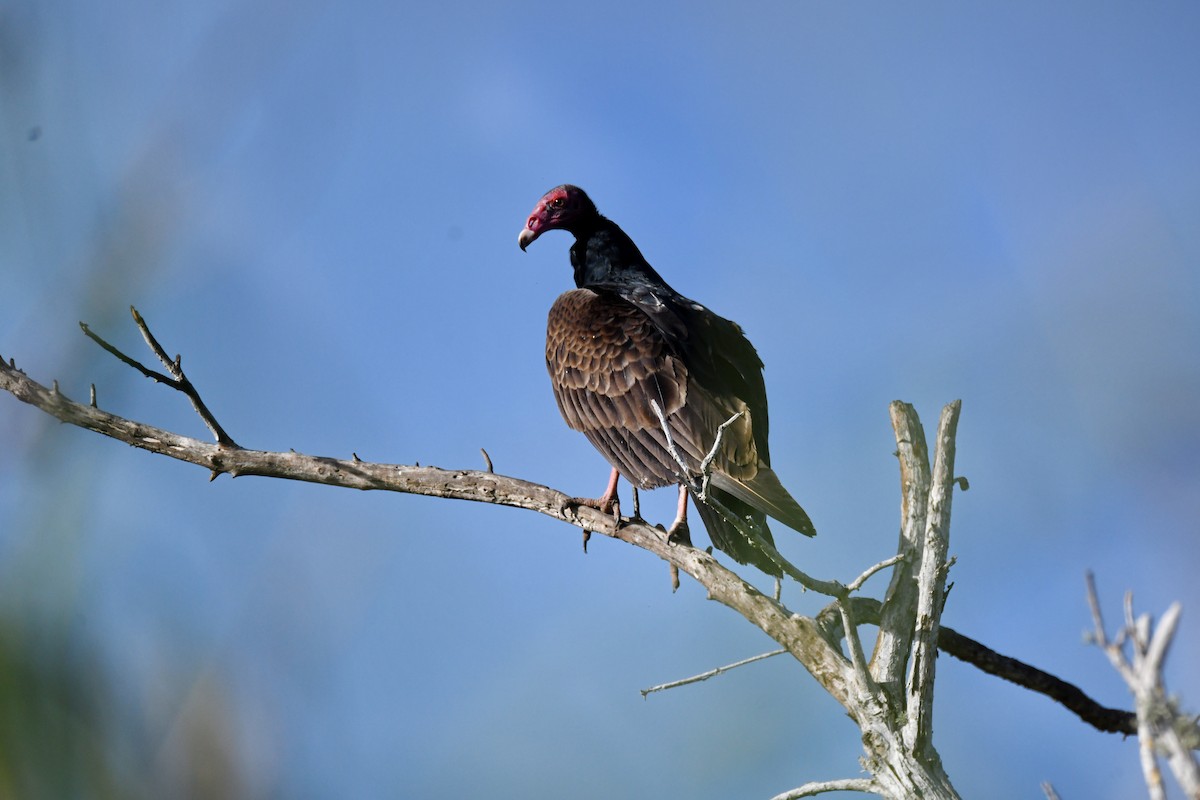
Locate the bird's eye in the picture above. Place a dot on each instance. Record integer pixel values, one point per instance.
(556, 203)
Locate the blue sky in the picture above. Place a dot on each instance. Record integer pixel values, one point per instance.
(317, 205)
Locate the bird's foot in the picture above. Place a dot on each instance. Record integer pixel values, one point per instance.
(610, 506)
(679, 533)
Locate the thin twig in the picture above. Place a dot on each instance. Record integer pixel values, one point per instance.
(865, 785)
(1099, 632)
(828, 588)
(700, 487)
(179, 381)
(666, 429)
(706, 463)
(712, 673)
(487, 460)
(857, 583)
(183, 384)
(124, 359)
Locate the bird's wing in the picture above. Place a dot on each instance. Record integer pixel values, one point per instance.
(608, 363)
(721, 357)
(725, 379)
(608, 360)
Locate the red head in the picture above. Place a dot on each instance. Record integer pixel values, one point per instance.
(567, 207)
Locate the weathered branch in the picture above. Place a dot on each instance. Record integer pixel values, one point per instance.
(931, 581)
(700, 487)
(821, 787)
(829, 588)
(1160, 726)
(894, 721)
(178, 380)
(983, 658)
(900, 603)
(842, 604)
(712, 673)
(798, 635)
(857, 583)
(1108, 720)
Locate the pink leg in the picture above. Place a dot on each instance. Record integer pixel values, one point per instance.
(679, 531)
(609, 499)
(608, 502)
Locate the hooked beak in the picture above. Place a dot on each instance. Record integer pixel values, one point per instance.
(534, 227)
(526, 238)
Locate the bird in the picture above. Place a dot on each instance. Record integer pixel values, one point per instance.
(668, 391)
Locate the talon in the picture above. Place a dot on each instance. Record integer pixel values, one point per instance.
(567, 509)
(680, 533)
(611, 507)
(607, 503)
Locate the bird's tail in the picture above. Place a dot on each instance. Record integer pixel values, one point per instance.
(765, 494)
(740, 543)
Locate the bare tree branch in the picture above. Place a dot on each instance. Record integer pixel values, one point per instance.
(858, 659)
(894, 720)
(798, 634)
(857, 583)
(842, 604)
(700, 487)
(1160, 726)
(1108, 720)
(900, 603)
(821, 787)
(712, 673)
(983, 658)
(178, 380)
(931, 581)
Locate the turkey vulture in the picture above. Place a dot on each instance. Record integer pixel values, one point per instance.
(650, 377)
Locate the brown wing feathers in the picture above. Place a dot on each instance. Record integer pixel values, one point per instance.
(606, 364)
